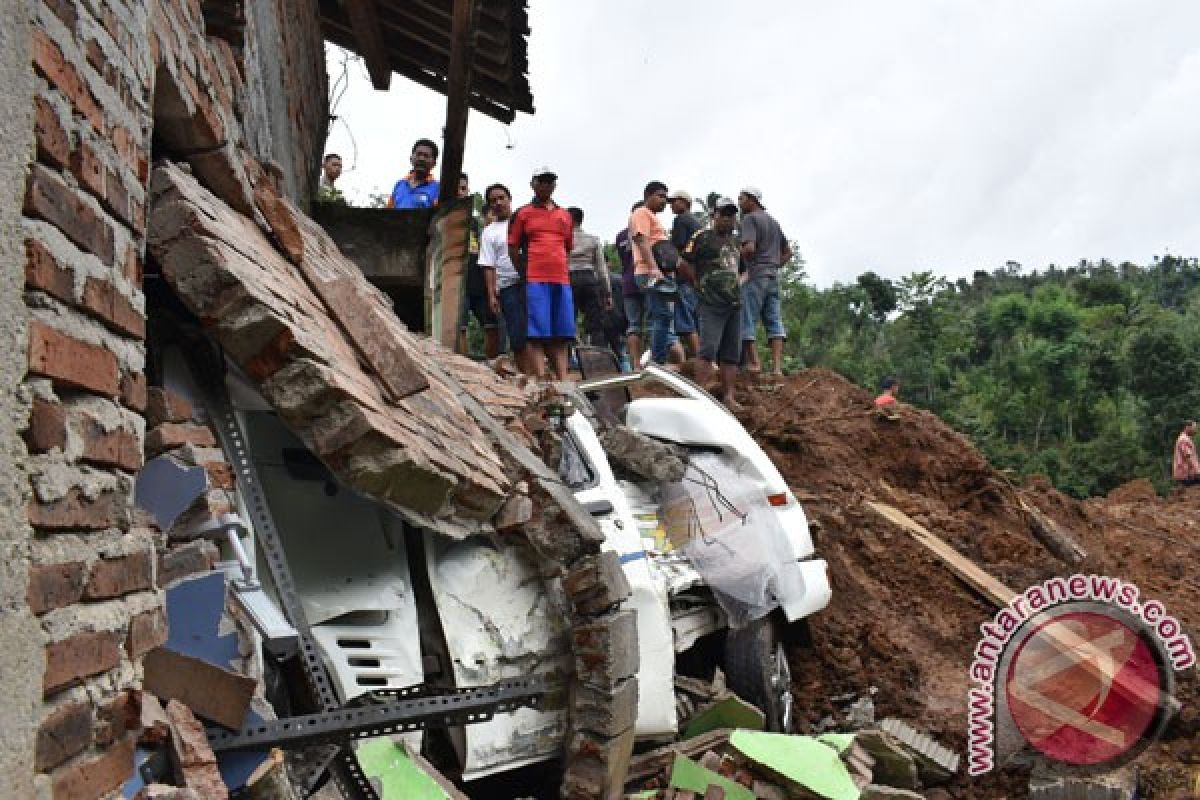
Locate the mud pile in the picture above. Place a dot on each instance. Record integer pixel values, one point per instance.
(901, 628)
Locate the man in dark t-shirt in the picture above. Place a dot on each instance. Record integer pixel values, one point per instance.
(682, 230)
(475, 299)
(710, 261)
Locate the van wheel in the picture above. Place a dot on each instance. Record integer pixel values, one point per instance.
(756, 669)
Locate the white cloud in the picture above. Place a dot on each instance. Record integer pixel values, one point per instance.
(928, 134)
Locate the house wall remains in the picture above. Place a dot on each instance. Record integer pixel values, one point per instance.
(93, 91)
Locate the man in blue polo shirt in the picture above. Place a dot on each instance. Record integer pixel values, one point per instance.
(418, 189)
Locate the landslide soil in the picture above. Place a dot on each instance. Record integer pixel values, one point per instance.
(901, 627)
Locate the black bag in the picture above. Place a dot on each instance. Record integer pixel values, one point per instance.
(665, 255)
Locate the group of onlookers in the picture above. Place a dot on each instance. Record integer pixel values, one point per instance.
(697, 292)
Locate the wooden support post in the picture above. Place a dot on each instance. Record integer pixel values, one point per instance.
(458, 93)
(369, 34)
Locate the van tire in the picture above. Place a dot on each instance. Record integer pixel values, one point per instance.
(757, 670)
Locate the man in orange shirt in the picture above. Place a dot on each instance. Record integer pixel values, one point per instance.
(887, 396)
(1185, 466)
(540, 236)
(645, 231)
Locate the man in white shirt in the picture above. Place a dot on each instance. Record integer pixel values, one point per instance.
(505, 288)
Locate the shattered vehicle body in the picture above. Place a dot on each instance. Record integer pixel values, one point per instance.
(393, 606)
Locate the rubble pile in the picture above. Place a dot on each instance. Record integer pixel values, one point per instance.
(902, 627)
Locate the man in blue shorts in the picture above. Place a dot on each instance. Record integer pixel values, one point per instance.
(540, 239)
(764, 249)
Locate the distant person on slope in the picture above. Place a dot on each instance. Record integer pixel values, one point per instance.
(887, 398)
(1185, 467)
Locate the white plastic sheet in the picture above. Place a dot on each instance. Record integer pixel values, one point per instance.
(724, 525)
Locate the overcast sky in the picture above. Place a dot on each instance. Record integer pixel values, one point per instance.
(949, 135)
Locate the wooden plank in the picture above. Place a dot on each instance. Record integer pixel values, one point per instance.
(1069, 644)
(369, 35)
(209, 691)
(965, 569)
(458, 90)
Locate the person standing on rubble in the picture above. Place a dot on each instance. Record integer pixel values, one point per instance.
(632, 301)
(418, 189)
(539, 241)
(683, 228)
(475, 297)
(888, 391)
(503, 284)
(1185, 466)
(764, 249)
(590, 290)
(710, 261)
(646, 234)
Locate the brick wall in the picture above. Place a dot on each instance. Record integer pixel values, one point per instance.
(108, 78)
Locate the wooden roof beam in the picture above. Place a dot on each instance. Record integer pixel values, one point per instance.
(364, 20)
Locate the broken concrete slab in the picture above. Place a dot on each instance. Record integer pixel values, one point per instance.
(596, 766)
(894, 765)
(605, 649)
(935, 763)
(645, 457)
(1047, 784)
(605, 712)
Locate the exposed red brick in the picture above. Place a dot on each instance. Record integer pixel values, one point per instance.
(103, 299)
(118, 200)
(192, 755)
(95, 55)
(98, 776)
(47, 427)
(77, 512)
(64, 10)
(53, 143)
(88, 169)
(155, 726)
(170, 435)
(220, 474)
(133, 390)
(119, 716)
(113, 577)
(129, 148)
(164, 405)
(184, 560)
(147, 631)
(49, 61)
(116, 448)
(79, 656)
(70, 362)
(54, 586)
(48, 197)
(42, 271)
(131, 266)
(62, 734)
(284, 229)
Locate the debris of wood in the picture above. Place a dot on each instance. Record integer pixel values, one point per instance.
(270, 780)
(1052, 536)
(214, 693)
(193, 760)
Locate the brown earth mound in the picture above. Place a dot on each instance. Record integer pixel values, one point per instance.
(900, 621)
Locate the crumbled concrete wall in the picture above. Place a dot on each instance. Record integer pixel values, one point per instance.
(21, 656)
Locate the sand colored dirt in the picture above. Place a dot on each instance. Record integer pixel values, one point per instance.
(900, 620)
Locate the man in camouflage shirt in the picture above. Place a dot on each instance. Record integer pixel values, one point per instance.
(710, 260)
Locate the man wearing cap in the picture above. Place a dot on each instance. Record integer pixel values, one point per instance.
(682, 230)
(418, 189)
(710, 261)
(764, 250)
(539, 240)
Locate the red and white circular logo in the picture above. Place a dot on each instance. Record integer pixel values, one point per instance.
(1086, 688)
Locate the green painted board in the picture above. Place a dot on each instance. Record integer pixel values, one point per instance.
(799, 759)
(838, 741)
(401, 778)
(730, 712)
(687, 774)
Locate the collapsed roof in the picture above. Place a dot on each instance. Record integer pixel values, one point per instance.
(414, 39)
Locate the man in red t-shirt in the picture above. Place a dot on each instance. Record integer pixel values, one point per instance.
(539, 240)
(887, 397)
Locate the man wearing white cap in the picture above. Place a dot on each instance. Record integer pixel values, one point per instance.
(539, 240)
(764, 250)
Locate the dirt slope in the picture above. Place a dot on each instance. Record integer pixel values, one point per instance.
(900, 621)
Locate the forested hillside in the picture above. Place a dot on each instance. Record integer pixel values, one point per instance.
(1082, 374)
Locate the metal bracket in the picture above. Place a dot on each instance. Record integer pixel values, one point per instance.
(417, 708)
